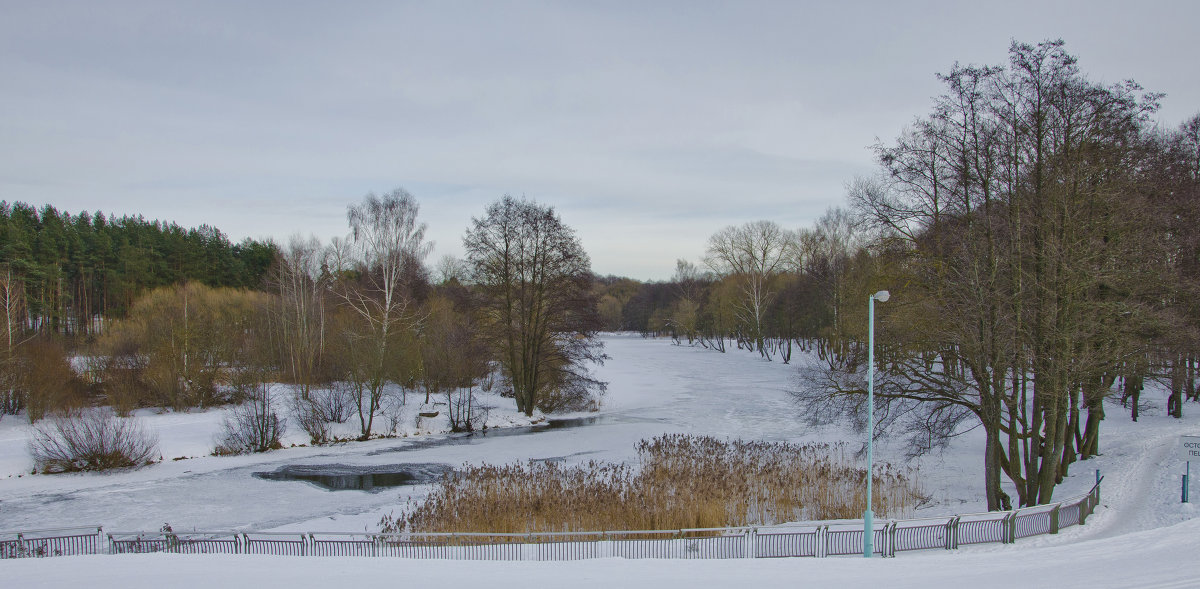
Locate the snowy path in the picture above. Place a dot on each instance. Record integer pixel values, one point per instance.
(1141, 485)
(1126, 491)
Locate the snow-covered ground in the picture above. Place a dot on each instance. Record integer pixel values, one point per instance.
(1140, 536)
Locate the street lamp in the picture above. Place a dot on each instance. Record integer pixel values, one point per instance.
(869, 517)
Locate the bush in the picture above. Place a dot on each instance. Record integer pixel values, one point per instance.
(253, 426)
(465, 411)
(315, 409)
(310, 421)
(92, 439)
(177, 343)
(39, 379)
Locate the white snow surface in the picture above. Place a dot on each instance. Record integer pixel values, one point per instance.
(1140, 536)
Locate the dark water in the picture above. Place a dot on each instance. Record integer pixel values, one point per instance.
(342, 477)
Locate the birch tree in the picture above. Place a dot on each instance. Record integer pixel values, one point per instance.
(387, 247)
(12, 309)
(753, 255)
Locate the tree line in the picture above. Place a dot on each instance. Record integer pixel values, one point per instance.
(72, 271)
(1041, 241)
(1039, 235)
(356, 326)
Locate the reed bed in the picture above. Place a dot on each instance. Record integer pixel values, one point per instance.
(681, 482)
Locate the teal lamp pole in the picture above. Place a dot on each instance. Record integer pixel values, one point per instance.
(869, 517)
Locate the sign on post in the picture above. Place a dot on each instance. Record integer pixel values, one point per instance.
(1189, 448)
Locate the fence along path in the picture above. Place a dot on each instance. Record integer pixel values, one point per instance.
(815, 539)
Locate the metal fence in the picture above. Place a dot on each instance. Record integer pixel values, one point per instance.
(816, 539)
(58, 542)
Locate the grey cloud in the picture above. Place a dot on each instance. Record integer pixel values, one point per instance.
(648, 125)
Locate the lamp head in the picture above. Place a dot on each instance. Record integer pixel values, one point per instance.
(882, 296)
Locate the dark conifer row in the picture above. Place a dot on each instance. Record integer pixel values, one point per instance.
(76, 269)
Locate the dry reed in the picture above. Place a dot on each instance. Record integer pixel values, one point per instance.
(684, 482)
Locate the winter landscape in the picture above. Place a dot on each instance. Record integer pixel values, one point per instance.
(678, 294)
(1141, 536)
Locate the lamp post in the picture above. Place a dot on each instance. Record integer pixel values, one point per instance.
(869, 517)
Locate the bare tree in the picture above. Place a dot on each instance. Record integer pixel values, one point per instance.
(386, 246)
(182, 340)
(536, 281)
(12, 314)
(300, 282)
(1013, 264)
(455, 359)
(685, 311)
(754, 255)
(452, 270)
(824, 253)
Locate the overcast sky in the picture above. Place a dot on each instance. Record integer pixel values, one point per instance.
(647, 125)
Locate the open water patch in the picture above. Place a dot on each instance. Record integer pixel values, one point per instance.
(348, 477)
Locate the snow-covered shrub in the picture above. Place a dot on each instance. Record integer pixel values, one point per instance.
(253, 426)
(392, 410)
(310, 420)
(316, 408)
(331, 404)
(90, 439)
(464, 410)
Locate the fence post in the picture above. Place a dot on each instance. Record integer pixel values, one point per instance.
(952, 533)
(1054, 518)
(751, 534)
(891, 540)
(821, 547)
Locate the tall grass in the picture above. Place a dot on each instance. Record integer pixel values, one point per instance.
(683, 482)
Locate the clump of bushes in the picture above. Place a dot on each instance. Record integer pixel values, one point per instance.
(315, 408)
(37, 378)
(254, 425)
(683, 482)
(90, 439)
